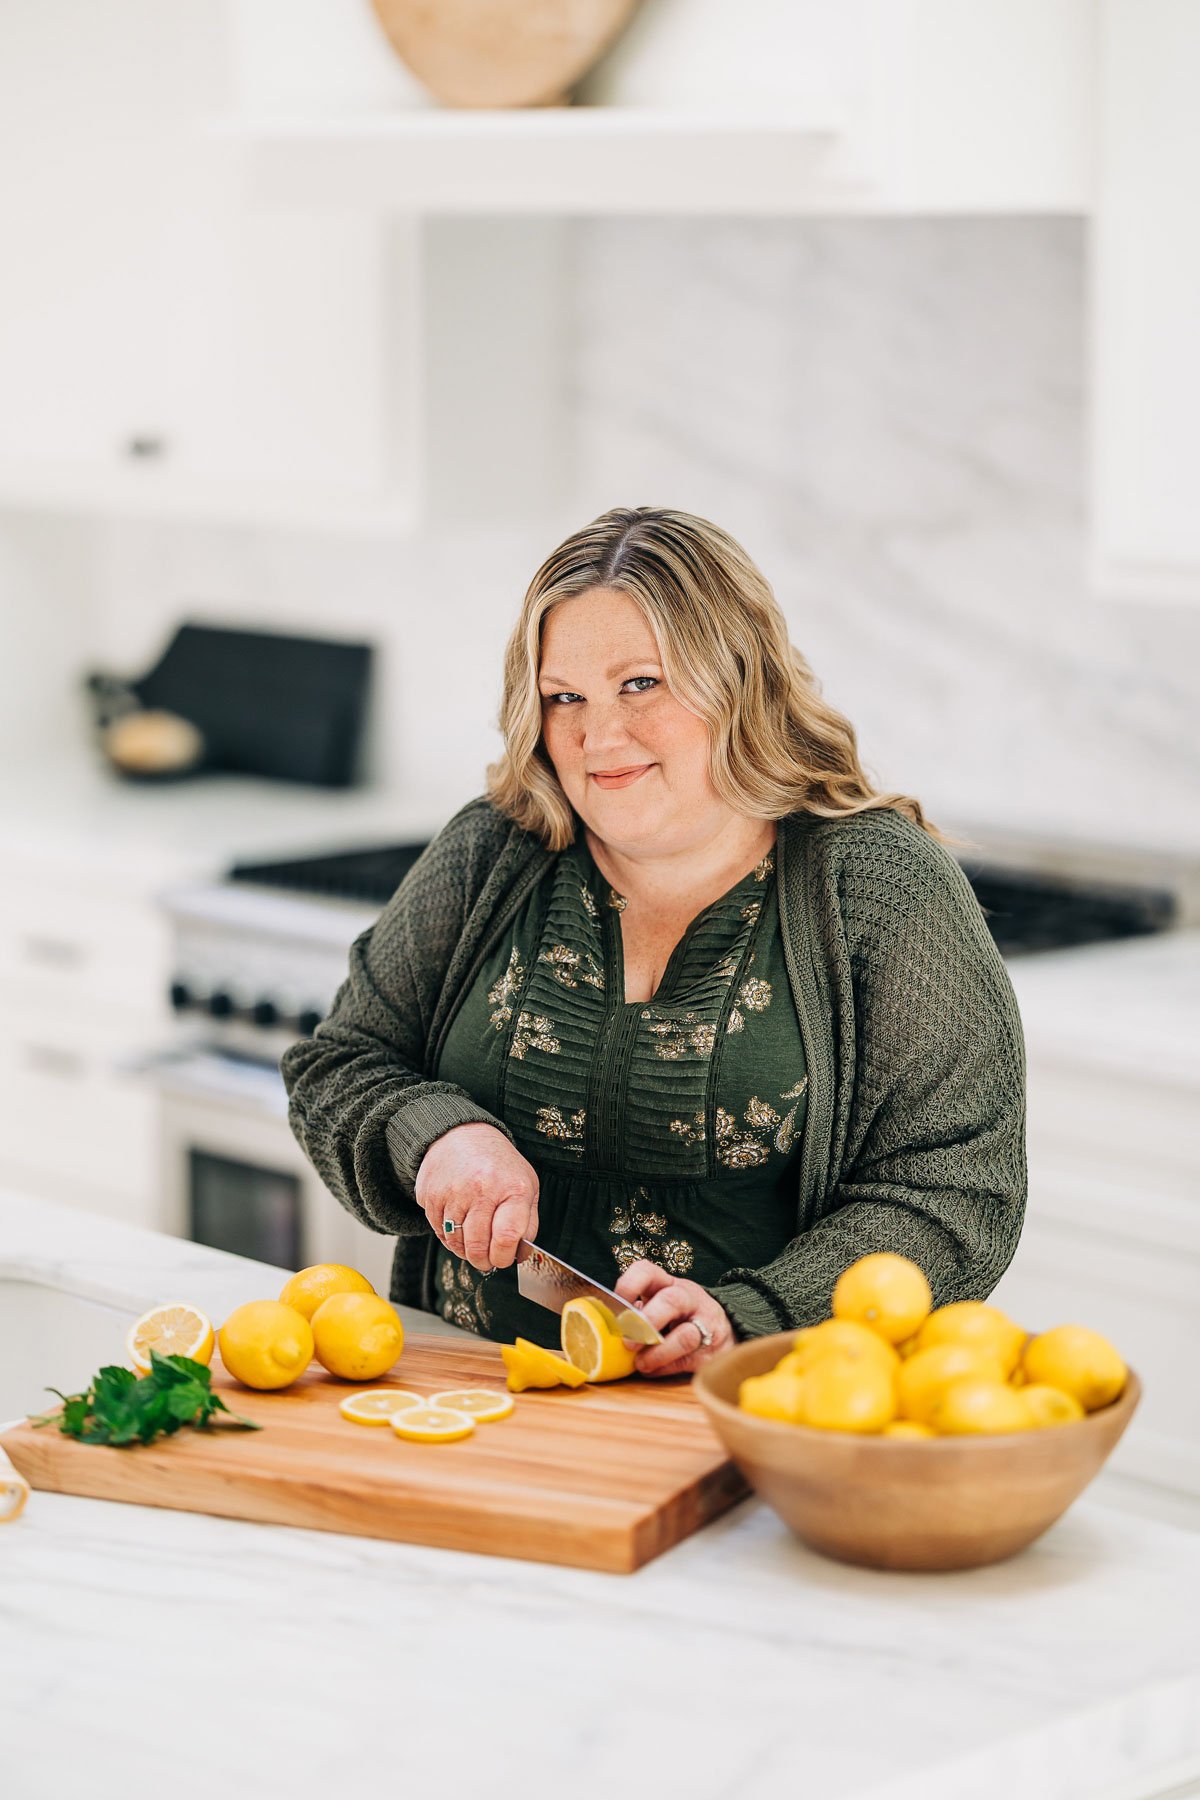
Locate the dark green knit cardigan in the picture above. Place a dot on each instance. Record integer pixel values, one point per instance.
(915, 1134)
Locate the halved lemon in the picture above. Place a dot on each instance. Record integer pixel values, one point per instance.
(376, 1405)
(481, 1404)
(431, 1424)
(592, 1344)
(176, 1330)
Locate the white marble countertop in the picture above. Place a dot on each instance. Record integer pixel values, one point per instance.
(1129, 1003)
(141, 1647)
(72, 812)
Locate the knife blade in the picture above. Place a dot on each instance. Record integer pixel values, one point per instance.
(551, 1282)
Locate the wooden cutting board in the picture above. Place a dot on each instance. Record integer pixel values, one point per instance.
(598, 1477)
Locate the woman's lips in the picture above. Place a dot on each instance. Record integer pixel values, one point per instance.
(621, 777)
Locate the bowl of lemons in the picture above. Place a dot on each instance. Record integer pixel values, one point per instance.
(899, 1435)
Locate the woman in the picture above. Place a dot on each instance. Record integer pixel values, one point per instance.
(682, 997)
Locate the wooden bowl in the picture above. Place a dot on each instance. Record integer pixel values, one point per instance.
(887, 1503)
(501, 52)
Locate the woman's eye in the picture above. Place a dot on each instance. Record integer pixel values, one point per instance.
(554, 699)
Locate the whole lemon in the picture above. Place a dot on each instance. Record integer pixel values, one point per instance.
(357, 1336)
(845, 1394)
(924, 1377)
(1049, 1405)
(842, 1336)
(977, 1405)
(1078, 1361)
(776, 1395)
(888, 1293)
(307, 1289)
(265, 1344)
(978, 1325)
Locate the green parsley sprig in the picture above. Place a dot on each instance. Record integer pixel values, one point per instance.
(121, 1408)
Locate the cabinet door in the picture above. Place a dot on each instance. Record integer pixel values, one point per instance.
(1146, 320)
(73, 1124)
(165, 345)
(90, 146)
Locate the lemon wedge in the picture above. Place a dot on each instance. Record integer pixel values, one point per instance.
(591, 1342)
(376, 1405)
(531, 1365)
(431, 1424)
(177, 1330)
(481, 1404)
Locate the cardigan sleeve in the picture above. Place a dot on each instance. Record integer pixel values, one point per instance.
(929, 1136)
(359, 1103)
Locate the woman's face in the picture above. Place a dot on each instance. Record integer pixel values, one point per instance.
(631, 759)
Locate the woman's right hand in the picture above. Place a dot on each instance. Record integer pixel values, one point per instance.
(474, 1176)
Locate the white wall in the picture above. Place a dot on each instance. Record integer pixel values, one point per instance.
(889, 414)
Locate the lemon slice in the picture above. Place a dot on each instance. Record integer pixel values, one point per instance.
(376, 1405)
(591, 1344)
(177, 1330)
(431, 1424)
(481, 1404)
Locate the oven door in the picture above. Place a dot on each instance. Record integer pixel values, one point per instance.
(232, 1175)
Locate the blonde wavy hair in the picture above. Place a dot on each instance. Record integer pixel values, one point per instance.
(776, 746)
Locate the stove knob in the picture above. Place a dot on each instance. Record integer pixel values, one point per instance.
(182, 996)
(220, 1004)
(265, 1012)
(307, 1022)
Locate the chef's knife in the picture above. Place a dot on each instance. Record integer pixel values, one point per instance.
(551, 1282)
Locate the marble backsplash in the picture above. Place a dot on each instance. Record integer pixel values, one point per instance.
(890, 415)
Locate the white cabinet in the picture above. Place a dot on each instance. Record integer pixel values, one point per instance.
(1127, 1263)
(1112, 1233)
(164, 348)
(83, 983)
(1145, 343)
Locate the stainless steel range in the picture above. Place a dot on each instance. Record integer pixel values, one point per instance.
(258, 958)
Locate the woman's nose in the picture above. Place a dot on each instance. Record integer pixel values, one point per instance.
(602, 727)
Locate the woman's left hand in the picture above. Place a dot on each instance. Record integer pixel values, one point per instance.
(678, 1309)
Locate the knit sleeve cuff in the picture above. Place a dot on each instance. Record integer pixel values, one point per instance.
(752, 1313)
(420, 1122)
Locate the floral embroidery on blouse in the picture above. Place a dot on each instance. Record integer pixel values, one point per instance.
(464, 1296)
(502, 994)
(765, 867)
(589, 903)
(679, 1037)
(748, 1144)
(690, 1130)
(785, 1137)
(639, 1234)
(568, 967)
(755, 996)
(751, 910)
(742, 1149)
(565, 1131)
(533, 1031)
(618, 902)
(458, 1312)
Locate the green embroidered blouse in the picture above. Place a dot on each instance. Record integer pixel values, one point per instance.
(665, 1129)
